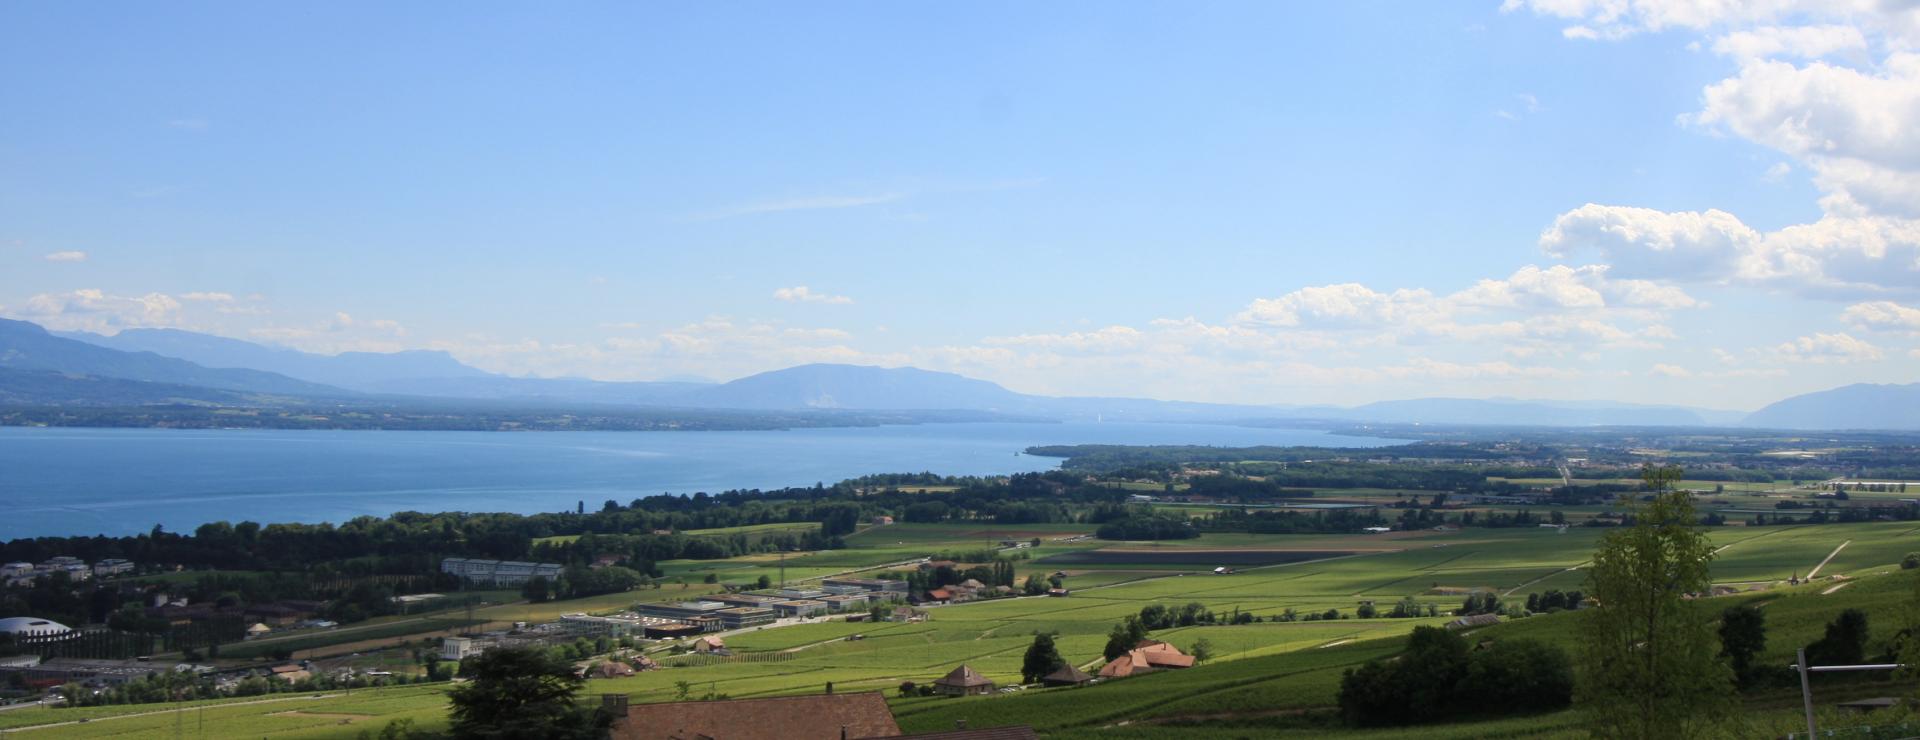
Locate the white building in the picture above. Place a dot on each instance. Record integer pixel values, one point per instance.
(498, 572)
(458, 648)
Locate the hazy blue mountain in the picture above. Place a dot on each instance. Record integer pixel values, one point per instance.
(557, 390)
(825, 386)
(27, 346)
(1515, 412)
(356, 370)
(1857, 406)
(50, 388)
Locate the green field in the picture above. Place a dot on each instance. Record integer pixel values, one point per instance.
(1289, 671)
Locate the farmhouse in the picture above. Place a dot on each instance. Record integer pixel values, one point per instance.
(1066, 676)
(1146, 657)
(815, 717)
(709, 644)
(963, 681)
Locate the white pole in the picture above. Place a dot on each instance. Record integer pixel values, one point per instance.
(1806, 692)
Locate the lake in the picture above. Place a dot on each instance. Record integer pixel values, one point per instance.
(67, 481)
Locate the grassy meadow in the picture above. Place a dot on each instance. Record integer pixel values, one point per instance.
(1268, 679)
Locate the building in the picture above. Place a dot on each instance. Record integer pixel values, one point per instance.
(849, 585)
(962, 681)
(814, 717)
(112, 566)
(1146, 657)
(882, 520)
(1476, 620)
(1066, 676)
(32, 629)
(734, 618)
(743, 599)
(670, 631)
(87, 671)
(685, 611)
(799, 608)
(847, 602)
(498, 572)
(458, 648)
(258, 630)
(709, 644)
(801, 593)
(289, 673)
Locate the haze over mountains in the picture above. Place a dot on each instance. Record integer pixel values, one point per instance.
(166, 366)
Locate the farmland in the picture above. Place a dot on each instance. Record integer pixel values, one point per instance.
(1279, 666)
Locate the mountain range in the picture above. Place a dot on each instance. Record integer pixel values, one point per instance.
(171, 366)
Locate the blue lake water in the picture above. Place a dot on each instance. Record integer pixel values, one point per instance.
(124, 481)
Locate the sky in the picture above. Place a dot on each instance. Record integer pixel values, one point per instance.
(1663, 201)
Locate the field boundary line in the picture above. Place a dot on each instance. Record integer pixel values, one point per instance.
(1830, 556)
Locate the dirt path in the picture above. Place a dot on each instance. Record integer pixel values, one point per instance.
(1836, 588)
(1823, 563)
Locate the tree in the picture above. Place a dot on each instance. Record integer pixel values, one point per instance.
(1911, 561)
(536, 590)
(1123, 637)
(1845, 642)
(1042, 658)
(763, 582)
(1649, 654)
(1365, 610)
(1743, 634)
(907, 688)
(1202, 650)
(522, 693)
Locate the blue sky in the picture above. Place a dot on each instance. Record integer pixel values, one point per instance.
(1252, 202)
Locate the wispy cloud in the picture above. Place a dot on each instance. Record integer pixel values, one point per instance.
(809, 203)
(68, 256)
(804, 294)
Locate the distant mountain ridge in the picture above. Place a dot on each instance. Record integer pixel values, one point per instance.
(1857, 406)
(27, 346)
(189, 367)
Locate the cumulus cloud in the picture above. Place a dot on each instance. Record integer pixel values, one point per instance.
(67, 256)
(91, 309)
(1883, 315)
(1836, 253)
(1855, 129)
(1827, 348)
(1807, 42)
(207, 297)
(1343, 305)
(804, 294)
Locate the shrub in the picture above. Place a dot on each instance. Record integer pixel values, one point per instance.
(1438, 677)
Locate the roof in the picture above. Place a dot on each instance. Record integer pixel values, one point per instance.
(34, 625)
(712, 640)
(1011, 732)
(1067, 674)
(818, 716)
(1120, 667)
(965, 675)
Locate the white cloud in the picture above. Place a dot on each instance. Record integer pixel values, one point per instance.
(91, 309)
(1346, 305)
(1883, 315)
(205, 297)
(804, 294)
(1643, 242)
(1109, 339)
(1854, 129)
(1827, 348)
(1834, 254)
(808, 203)
(1665, 370)
(1807, 42)
(68, 256)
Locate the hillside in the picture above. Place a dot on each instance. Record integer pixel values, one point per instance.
(1857, 406)
(48, 388)
(1513, 412)
(356, 370)
(26, 346)
(857, 387)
